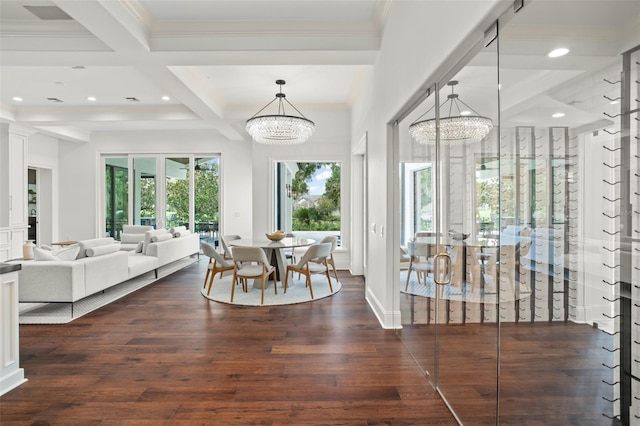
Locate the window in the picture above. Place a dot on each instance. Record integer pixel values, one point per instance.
(117, 195)
(184, 192)
(308, 198)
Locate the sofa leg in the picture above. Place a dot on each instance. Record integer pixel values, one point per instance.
(156, 272)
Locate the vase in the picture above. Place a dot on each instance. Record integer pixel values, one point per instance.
(27, 250)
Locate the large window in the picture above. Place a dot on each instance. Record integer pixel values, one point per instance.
(184, 192)
(308, 198)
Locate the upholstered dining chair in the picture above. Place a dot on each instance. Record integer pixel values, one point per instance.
(225, 240)
(334, 245)
(252, 263)
(419, 262)
(216, 264)
(314, 261)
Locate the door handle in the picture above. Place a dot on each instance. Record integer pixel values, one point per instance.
(436, 263)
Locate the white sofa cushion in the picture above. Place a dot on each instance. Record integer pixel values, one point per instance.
(140, 264)
(102, 250)
(136, 229)
(85, 244)
(131, 238)
(150, 234)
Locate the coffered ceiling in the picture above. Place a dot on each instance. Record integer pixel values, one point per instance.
(217, 60)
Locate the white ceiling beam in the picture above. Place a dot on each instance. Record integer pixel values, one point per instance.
(113, 22)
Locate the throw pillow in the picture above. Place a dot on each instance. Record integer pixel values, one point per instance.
(42, 254)
(161, 237)
(139, 247)
(101, 250)
(182, 233)
(85, 244)
(68, 252)
(147, 238)
(175, 229)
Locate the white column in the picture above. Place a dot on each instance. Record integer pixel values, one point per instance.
(11, 375)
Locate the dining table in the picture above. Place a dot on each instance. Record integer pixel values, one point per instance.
(275, 251)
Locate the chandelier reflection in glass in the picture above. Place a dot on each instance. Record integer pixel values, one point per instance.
(466, 126)
(280, 129)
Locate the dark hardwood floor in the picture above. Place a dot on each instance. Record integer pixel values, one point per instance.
(166, 355)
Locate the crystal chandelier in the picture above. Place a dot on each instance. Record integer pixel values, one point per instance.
(466, 126)
(279, 129)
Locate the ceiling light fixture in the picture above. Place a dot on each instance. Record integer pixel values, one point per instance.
(458, 128)
(166, 98)
(558, 115)
(91, 98)
(556, 53)
(280, 129)
(17, 99)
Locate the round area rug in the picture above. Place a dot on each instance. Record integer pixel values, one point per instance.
(297, 292)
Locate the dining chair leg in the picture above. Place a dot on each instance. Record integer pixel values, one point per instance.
(286, 280)
(308, 275)
(333, 264)
(234, 282)
(206, 277)
(275, 283)
(210, 283)
(329, 277)
(262, 296)
(406, 286)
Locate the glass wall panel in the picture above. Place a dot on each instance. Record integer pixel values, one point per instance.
(569, 233)
(206, 191)
(144, 191)
(116, 195)
(178, 192)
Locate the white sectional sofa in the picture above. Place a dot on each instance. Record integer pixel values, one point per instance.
(100, 264)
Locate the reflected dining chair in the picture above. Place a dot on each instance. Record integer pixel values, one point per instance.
(252, 263)
(216, 264)
(419, 262)
(314, 261)
(225, 240)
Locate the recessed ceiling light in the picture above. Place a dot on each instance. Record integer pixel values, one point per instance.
(614, 103)
(558, 52)
(558, 115)
(465, 113)
(91, 98)
(17, 99)
(166, 98)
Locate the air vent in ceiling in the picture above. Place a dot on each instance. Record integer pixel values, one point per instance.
(48, 13)
(133, 99)
(54, 99)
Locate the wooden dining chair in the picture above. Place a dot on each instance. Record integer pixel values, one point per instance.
(225, 240)
(314, 261)
(252, 263)
(216, 264)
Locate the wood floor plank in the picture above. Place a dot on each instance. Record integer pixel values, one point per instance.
(165, 355)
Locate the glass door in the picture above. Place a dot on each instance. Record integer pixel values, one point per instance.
(450, 208)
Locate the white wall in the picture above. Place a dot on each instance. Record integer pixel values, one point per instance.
(406, 60)
(79, 175)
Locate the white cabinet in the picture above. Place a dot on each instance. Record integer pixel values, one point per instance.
(11, 375)
(14, 223)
